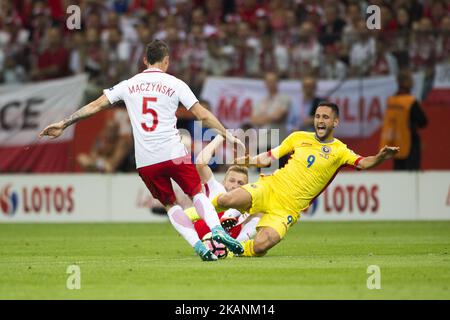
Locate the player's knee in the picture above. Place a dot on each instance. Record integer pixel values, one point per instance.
(265, 240)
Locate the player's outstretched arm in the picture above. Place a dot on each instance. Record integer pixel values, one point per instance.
(56, 129)
(211, 121)
(203, 158)
(372, 161)
(260, 161)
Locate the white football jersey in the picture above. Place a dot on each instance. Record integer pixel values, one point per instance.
(152, 98)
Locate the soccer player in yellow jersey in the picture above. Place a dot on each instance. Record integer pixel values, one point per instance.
(317, 157)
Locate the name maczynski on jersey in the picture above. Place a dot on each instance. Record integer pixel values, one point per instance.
(151, 87)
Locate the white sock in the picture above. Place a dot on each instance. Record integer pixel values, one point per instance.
(183, 225)
(248, 229)
(206, 210)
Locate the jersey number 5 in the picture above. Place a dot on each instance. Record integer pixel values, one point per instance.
(147, 110)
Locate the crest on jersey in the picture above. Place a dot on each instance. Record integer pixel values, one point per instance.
(326, 149)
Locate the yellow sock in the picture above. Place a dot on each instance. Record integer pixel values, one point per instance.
(216, 205)
(249, 250)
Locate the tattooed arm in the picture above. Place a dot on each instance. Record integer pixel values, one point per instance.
(56, 129)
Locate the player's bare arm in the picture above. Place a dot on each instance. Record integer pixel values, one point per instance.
(211, 121)
(372, 161)
(56, 129)
(259, 161)
(205, 156)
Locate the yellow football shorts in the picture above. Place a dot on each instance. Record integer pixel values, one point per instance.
(264, 200)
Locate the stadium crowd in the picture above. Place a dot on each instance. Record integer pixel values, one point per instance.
(295, 39)
(327, 39)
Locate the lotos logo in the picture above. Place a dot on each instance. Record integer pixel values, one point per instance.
(8, 201)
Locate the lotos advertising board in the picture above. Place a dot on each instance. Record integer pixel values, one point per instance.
(53, 198)
(367, 196)
(371, 196)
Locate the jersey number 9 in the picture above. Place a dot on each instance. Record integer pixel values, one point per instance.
(310, 160)
(147, 110)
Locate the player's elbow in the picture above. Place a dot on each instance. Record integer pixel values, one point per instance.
(362, 166)
(199, 164)
(200, 112)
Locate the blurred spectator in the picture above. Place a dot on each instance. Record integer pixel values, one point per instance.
(123, 159)
(77, 55)
(273, 57)
(137, 49)
(436, 10)
(111, 147)
(271, 112)
(94, 64)
(244, 52)
(178, 48)
(247, 10)
(102, 151)
(331, 30)
(217, 61)
(402, 118)
(414, 7)
(39, 23)
(301, 117)
(388, 23)
(384, 62)
(305, 56)
(362, 52)
(14, 38)
(443, 44)
(422, 50)
(249, 35)
(332, 67)
(353, 16)
(277, 10)
(199, 19)
(193, 57)
(12, 72)
(53, 62)
(263, 25)
(117, 56)
(402, 37)
(214, 12)
(289, 35)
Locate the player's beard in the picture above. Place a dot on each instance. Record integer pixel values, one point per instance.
(326, 134)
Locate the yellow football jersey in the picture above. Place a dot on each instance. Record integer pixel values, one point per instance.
(310, 169)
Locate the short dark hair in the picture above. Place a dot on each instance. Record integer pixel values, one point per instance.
(156, 51)
(331, 105)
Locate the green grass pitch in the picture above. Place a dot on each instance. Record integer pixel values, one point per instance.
(317, 260)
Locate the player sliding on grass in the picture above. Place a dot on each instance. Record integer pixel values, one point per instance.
(316, 159)
(240, 226)
(152, 98)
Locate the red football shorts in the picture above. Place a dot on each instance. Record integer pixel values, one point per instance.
(157, 178)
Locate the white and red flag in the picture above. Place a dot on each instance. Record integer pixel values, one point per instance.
(24, 111)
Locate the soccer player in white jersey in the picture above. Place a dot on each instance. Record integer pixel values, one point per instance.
(152, 98)
(240, 226)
